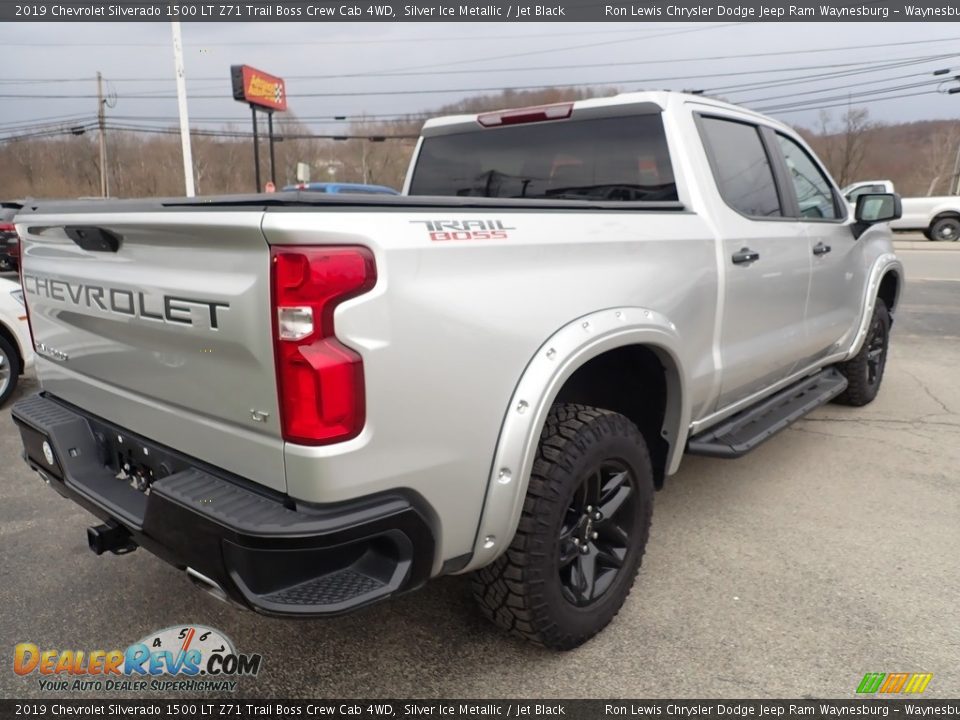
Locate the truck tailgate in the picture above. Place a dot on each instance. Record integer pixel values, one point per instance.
(160, 322)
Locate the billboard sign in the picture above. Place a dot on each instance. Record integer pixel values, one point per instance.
(258, 88)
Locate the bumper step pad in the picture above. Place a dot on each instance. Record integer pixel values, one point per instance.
(332, 589)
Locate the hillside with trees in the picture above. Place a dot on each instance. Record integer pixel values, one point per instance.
(918, 156)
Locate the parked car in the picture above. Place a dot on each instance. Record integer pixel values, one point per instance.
(340, 188)
(317, 403)
(9, 240)
(16, 346)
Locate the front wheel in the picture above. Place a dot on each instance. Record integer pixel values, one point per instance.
(582, 534)
(864, 371)
(945, 230)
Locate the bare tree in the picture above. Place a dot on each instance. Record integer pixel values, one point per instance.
(844, 146)
(934, 162)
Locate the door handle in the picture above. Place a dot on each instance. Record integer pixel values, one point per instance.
(745, 255)
(821, 249)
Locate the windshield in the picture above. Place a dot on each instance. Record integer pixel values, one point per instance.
(610, 159)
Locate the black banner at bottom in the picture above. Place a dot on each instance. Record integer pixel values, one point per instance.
(456, 709)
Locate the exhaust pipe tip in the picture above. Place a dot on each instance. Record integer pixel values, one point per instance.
(110, 537)
(211, 587)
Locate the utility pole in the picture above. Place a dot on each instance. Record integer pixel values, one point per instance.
(955, 178)
(101, 121)
(182, 102)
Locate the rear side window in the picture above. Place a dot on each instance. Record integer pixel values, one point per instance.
(741, 167)
(609, 159)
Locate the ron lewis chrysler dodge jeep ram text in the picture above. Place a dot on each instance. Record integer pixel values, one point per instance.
(313, 402)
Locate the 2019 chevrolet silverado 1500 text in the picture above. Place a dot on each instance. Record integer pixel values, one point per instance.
(310, 403)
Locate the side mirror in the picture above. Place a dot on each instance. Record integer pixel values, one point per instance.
(873, 208)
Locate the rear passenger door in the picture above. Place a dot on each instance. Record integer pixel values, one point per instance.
(766, 260)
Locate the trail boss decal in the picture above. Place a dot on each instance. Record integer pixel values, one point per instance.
(466, 229)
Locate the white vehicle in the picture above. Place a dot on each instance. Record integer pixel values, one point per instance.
(16, 348)
(866, 187)
(936, 217)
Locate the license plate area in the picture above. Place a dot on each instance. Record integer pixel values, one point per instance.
(134, 462)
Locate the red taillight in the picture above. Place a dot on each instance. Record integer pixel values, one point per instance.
(560, 111)
(319, 380)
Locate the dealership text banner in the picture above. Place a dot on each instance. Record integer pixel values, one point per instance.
(242, 709)
(480, 11)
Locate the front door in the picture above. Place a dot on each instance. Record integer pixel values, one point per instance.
(837, 273)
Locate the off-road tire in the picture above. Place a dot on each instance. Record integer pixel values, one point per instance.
(863, 381)
(522, 590)
(945, 230)
(9, 370)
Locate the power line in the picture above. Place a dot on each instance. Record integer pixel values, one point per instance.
(865, 66)
(868, 101)
(844, 87)
(280, 137)
(155, 95)
(848, 97)
(799, 79)
(559, 49)
(608, 82)
(426, 70)
(55, 119)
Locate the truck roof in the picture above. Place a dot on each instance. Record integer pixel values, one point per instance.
(653, 100)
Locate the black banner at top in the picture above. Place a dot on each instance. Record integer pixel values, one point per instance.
(712, 11)
(246, 709)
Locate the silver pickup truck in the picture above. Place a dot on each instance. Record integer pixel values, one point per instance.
(310, 403)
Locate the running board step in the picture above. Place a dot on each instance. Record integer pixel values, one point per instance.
(742, 432)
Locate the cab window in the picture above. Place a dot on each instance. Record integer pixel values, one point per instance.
(814, 193)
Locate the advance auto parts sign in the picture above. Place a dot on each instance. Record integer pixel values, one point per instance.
(258, 88)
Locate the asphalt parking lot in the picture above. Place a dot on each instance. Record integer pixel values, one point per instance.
(829, 552)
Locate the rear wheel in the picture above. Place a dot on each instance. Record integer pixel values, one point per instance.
(864, 372)
(9, 370)
(945, 230)
(582, 533)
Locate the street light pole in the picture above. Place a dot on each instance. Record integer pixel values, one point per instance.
(182, 102)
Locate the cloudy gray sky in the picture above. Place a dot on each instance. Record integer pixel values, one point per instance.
(789, 70)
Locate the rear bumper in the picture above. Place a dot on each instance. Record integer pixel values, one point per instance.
(263, 550)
